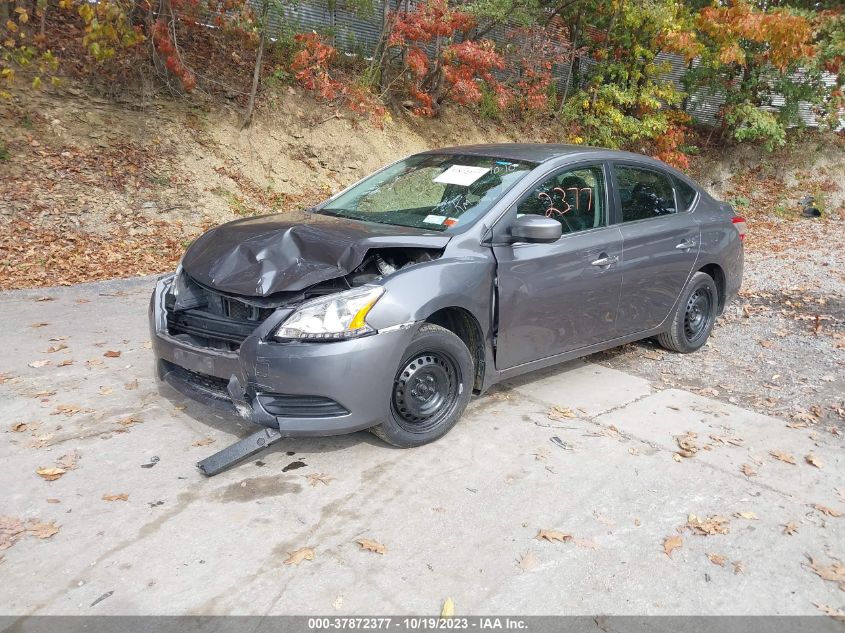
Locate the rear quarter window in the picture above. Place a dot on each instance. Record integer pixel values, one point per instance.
(686, 194)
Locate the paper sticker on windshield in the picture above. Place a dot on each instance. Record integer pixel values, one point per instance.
(434, 219)
(463, 175)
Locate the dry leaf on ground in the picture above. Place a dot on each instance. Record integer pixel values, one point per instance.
(448, 608)
(66, 362)
(553, 535)
(204, 441)
(790, 528)
(128, 421)
(51, 474)
(718, 559)
(686, 444)
(528, 561)
(66, 409)
(130, 386)
(39, 363)
(105, 391)
(558, 413)
(584, 542)
(739, 567)
(44, 298)
(371, 546)
(671, 543)
(750, 516)
(42, 530)
(123, 496)
(68, 461)
(811, 459)
(836, 614)
(783, 456)
(319, 478)
(748, 470)
(55, 348)
(303, 553)
(709, 525)
(831, 512)
(39, 324)
(19, 427)
(112, 354)
(832, 573)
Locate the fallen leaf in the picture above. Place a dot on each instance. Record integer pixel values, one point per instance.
(68, 461)
(811, 459)
(147, 345)
(717, 559)
(747, 470)
(65, 362)
(123, 496)
(783, 456)
(557, 413)
(303, 553)
(709, 525)
(371, 546)
(4, 377)
(19, 427)
(831, 512)
(105, 391)
(42, 530)
(51, 474)
(553, 535)
(739, 567)
(528, 561)
(338, 602)
(746, 515)
(51, 500)
(603, 519)
(39, 324)
(833, 573)
(130, 386)
(66, 409)
(790, 528)
(203, 442)
(584, 542)
(44, 298)
(671, 543)
(39, 363)
(836, 614)
(686, 444)
(634, 450)
(55, 348)
(93, 362)
(112, 354)
(319, 478)
(128, 421)
(448, 609)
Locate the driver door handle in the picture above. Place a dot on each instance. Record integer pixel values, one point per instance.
(605, 261)
(686, 244)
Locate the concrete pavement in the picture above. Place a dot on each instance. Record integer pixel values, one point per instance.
(458, 518)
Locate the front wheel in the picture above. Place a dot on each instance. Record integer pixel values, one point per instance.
(694, 316)
(431, 389)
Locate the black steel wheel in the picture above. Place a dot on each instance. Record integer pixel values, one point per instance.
(691, 324)
(431, 389)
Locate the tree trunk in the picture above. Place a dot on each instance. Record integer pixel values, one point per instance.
(573, 46)
(256, 74)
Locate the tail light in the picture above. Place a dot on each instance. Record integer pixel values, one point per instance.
(739, 223)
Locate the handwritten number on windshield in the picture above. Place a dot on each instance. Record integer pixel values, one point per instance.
(552, 211)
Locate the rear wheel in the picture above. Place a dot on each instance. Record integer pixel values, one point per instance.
(694, 316)
(431, 389)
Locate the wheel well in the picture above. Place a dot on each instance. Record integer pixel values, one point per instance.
(718, 275)
(462, 323)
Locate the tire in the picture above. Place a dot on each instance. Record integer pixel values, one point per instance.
(432, 387)
(694, 316)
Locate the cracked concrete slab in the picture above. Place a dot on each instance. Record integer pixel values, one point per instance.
(456, 516)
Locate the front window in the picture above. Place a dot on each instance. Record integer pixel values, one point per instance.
(430, 191)
(574, 197)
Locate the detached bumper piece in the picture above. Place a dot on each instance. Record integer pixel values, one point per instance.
(231, 455)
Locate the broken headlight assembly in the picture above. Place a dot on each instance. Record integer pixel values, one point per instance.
(336, 317)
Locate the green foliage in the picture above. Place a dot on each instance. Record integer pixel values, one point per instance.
(488, 107)
(748, 122)
(5, 154)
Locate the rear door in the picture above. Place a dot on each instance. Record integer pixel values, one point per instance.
(661, 240)
(557, 297)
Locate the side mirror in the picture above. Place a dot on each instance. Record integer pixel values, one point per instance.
(536, 229)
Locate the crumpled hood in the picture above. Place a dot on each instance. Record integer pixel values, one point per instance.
(264, 255)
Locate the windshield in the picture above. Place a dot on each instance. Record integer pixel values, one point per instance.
(430, 191)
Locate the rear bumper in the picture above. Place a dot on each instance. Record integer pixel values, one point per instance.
(302, 389)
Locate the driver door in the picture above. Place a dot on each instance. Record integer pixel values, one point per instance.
(554, 298)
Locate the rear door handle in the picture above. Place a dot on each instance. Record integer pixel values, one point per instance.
(605, 261)
(686, 244)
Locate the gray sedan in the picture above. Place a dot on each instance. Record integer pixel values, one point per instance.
(437, 277)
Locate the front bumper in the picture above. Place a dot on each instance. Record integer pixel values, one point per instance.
(302, 389)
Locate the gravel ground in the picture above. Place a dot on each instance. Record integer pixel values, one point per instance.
(779, 348)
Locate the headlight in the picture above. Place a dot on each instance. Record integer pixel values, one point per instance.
(337, 316)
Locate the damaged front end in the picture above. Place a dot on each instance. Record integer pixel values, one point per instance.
(260, 358)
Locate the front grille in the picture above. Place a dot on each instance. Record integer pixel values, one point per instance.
(212, 319)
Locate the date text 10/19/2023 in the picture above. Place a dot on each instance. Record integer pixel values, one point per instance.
(479, 623)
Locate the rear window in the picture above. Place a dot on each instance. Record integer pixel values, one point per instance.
(686, 194)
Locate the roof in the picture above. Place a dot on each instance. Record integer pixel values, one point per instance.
(532, 152)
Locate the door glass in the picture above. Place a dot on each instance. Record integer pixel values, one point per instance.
(575, 198)
(686, 194)
(644, 193)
